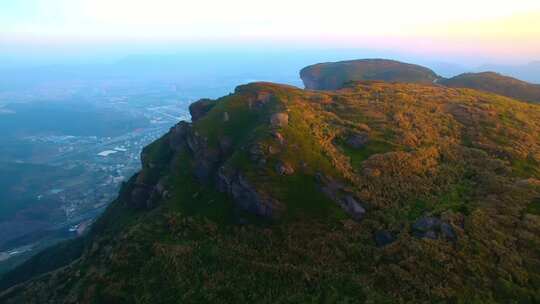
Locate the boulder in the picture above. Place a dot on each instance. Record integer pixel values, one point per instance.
(353, 207)
(143, 197)
(279, 120)
(199, 108)
(447, 232)
(383, 238)
(284, 169)
(425, 224)
(357, 140)
(245, 196)
(433, 228)
(279, 137)
(178, 134)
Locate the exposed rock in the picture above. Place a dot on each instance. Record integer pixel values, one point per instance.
(139, 197)
(178, 134)
(425, 224)
(199, 108)
(383, 238)
(279, 137)
(225, 145)
(207, 159)
(358, 140)
(264, 97)
(338, 193)
(279, 120)
(257, 153)
(364, 127)
(259, 100)
(430, 235)
(144, 197)
(272, 150)
(284, 169)
(433, 228)
(246, 196)
(353, 207)
(448, 232)
(335, 75)
(225, 116)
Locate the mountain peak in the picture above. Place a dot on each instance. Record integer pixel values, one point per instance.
(333, 75)
(375, 192)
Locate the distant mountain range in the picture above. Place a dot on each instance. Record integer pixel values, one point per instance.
(528, 72)
(335, 75)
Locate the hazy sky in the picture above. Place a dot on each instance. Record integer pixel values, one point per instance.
(501, 29)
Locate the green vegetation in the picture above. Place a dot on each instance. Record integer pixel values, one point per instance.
(332, 76)
(465, 158)
(534, 207)
(496, 83)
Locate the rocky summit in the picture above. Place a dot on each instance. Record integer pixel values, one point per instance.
(374, 193)
(334, 75)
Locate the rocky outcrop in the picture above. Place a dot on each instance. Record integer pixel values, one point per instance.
(334, 75)
(279, 137)
(199, 108)
(284, 168)
(145, 196)
(246, 196)
(383, 238)
(433, 228)
(279, 120)
(357, 140)
(178, 135)
(343, 196)
(206, 168)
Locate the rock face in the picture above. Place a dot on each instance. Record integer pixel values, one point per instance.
(146, 195)
(333, 75)
(206, 169)
(343, 196)
(383, 238)
(279, 137)
(247, 197)
(358, 140)
(279, 120)
(284, 169)
(433, 228)
(353, 207)
(199, 108)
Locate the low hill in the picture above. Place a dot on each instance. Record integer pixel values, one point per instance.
(333, 75)
(496, 83)
(375, 193)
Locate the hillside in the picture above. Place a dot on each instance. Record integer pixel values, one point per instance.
(376, 193)
(496, 83)
(333, 75)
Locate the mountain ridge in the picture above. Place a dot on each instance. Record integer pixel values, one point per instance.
(332, 75)
(377, 192)
(496, 83)
(335, 75)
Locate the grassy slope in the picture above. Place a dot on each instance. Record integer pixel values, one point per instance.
(454, 153)
(333, 75)
(496, 83)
